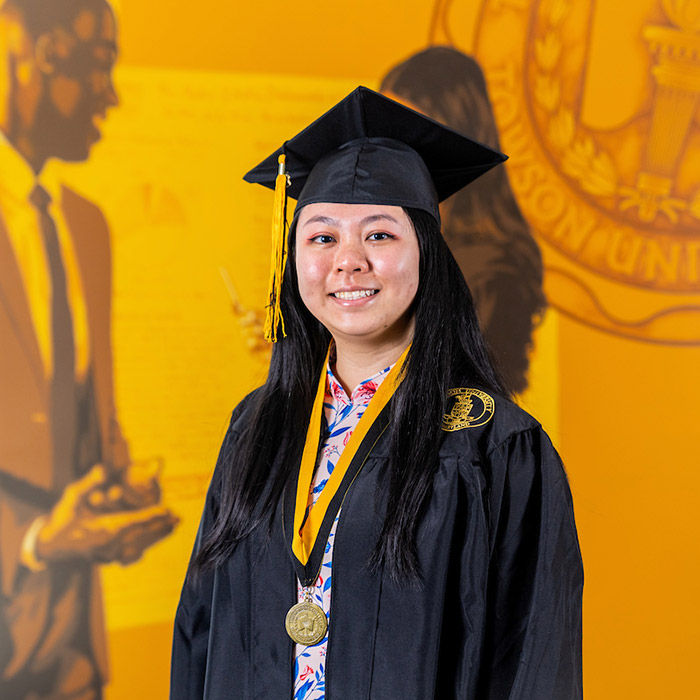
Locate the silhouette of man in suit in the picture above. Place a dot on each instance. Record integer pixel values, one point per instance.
(69, 497)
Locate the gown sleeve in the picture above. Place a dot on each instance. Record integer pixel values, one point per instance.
(533, 638)
(192, 619)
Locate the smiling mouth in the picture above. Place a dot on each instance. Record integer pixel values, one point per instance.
(358, 294)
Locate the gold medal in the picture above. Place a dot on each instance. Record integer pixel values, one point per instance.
(306, 623)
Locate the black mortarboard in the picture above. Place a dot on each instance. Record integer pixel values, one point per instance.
(369, 149)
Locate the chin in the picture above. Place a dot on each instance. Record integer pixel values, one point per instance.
(354, 331)
(77, 148)
(77, 154)
(369, 336)
(373, 331)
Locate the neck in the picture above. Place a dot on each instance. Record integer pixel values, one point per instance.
(20, 136)
(356, 362)
(27, 151)
(24, 148)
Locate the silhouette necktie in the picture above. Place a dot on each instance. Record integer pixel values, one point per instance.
(63, 390)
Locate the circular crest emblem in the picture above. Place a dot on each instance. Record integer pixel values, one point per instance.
(598, 110)
(468, 408)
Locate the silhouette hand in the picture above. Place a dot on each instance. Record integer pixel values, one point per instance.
(75, 530)
(135, 486)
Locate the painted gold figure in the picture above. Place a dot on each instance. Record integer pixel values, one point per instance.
(69, 497)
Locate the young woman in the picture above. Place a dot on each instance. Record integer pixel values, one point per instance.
(383, 522)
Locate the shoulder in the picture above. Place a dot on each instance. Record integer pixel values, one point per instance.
(507, 451)
(241, 416)
(242, 413)
(478, 420)
(82, 210)
(88, 228)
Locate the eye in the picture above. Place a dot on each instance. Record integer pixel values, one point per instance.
(322, 238)
(379, 236)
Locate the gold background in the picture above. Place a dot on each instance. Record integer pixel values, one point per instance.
(207, 89)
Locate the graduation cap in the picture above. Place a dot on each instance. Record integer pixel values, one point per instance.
(368, 149)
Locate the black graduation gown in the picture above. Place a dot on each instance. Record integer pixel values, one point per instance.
(498, 615)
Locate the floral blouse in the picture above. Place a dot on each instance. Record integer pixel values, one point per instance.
(341, 416)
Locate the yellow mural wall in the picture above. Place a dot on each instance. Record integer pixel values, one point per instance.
(587, 96)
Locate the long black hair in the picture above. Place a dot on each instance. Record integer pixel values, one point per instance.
(447, 346)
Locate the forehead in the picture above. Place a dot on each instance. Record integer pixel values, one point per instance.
(339, 215)
(95, 23)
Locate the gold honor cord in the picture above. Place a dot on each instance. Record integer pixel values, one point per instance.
(306, 532)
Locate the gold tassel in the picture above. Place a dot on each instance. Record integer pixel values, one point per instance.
(278, 258)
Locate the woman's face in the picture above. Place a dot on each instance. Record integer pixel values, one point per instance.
(357, 266)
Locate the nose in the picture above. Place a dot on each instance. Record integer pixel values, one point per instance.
(351, 257)
(103, 88)
(111, 95)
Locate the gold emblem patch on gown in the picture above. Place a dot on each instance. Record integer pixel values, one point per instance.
(469, 408)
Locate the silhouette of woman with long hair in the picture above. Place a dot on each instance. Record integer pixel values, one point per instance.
(482, 224)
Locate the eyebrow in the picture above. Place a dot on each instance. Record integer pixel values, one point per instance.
(329, 221)
(318, 219)
(378, 217)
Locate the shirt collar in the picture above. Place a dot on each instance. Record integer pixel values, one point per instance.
(361, 394)
(18, 179)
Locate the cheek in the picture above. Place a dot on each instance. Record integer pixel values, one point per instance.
(65, 94)
(311, 277)
(410, 275)
(404, 272)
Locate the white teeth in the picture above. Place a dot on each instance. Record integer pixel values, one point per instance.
(359, 294)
